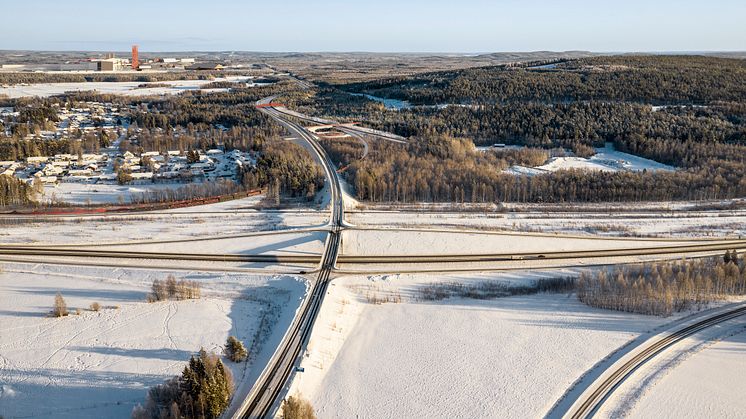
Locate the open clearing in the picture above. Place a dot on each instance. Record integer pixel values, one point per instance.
(100, 364)
(219, 220)
(102, 193)
(508, 357)
(592, 220)
(606, 159)
(126, 88)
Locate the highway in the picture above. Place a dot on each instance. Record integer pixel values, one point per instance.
(350, 129)
(335, 230)
(587, 406)
(264, 396)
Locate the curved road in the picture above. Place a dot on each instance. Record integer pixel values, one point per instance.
(587, 406)
(264, 396)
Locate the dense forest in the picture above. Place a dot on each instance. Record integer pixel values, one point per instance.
(644, 79)
(698, 125)
(445, 169)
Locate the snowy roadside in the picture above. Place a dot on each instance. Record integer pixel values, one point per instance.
(695, 378)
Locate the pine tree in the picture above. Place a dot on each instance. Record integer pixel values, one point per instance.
(235, 350)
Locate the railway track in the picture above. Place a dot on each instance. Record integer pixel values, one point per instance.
(588, 406)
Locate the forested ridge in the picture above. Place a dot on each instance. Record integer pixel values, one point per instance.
(645, 79)
(698, 124)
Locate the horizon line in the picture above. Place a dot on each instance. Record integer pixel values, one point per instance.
(384, 52)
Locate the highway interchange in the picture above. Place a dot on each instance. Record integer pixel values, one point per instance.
(267, 393)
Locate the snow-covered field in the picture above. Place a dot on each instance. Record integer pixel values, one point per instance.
(100, 364)
(121, 88)
(217, 221)
(595, 222)
(508, 357)
(606, 159)
(396, 242)
(101, 193)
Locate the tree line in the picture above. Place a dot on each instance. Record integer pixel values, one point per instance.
(70, 77)
(444, 169)
(663, 288)
(14, 192)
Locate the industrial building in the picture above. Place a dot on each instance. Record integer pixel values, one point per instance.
(112, 64)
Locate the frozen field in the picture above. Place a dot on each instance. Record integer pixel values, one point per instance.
(708, 384)
(100, 364)
(595, 222)
(508, 357)
(122, 88)
(219, 221)
(101, 193)
(397, 242)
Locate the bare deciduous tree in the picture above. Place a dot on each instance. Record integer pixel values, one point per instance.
(60, 307)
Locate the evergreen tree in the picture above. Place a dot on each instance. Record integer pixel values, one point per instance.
(235, 350)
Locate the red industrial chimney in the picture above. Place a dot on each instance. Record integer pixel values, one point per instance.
(135, 60)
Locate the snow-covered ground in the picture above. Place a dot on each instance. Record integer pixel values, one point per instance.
(219, 221)
(122, 88)
(508, 357)
(101, 193)
(595, 221)
(394, 104)
(397, 242)
(699, 377)
(606, 159)
(100, 364)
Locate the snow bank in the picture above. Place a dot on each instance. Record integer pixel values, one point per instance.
(414, 242)
(219, 221)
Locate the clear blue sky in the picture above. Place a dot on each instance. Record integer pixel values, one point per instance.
(374, 25)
